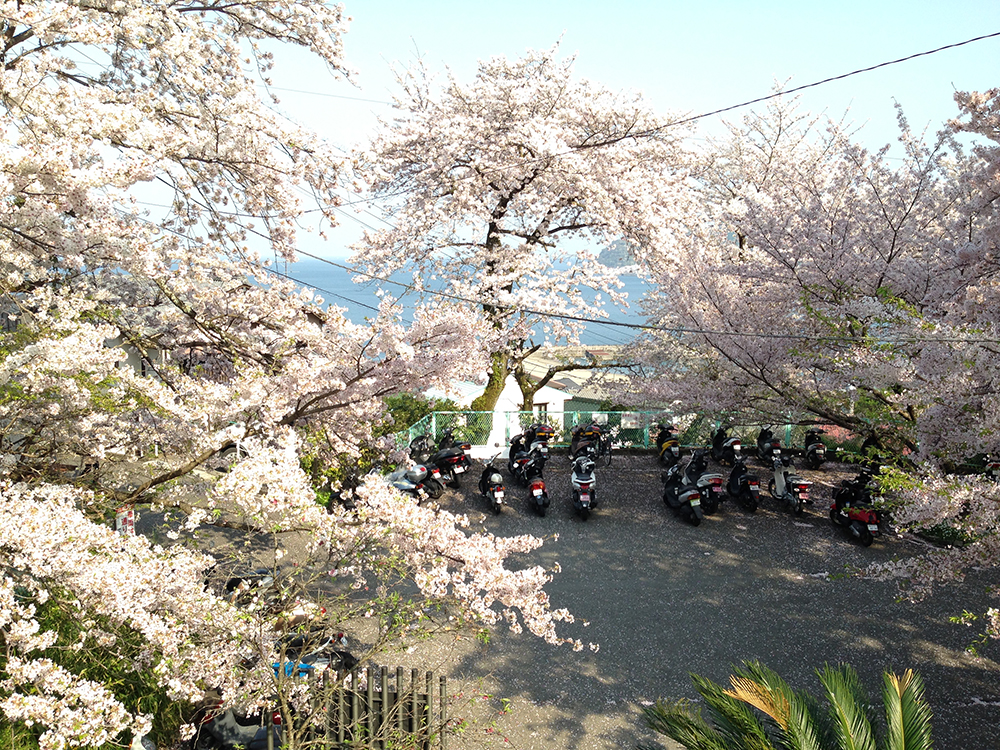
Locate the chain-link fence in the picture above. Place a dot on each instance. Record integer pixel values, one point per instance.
(628, 429)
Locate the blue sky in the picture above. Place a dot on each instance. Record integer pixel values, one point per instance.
(687, 56)
(690, 57)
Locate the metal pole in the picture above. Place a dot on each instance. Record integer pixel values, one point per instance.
(399, 699)
(414, 676)
(355, 700)
(370, 698)
(383, 711)
(428, 710)
(444, 712)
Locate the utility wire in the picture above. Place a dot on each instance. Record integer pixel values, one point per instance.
(651, 131)
(827, 80)
(641, 326)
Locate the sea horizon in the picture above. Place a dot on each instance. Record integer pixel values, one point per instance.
(330, 280)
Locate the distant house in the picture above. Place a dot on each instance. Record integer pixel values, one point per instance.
(569, 392)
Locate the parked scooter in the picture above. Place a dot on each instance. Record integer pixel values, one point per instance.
(429, 476)
(584, 482)
(743, 486)
(535, 437)
(491, 485)
(585, 438)
(815, 448)
(407, 479)
(788, 487)
(532, 471)
(668, 445)
(852, 508)
(448, 441)
(313, 652)
(710, 484)
(298, 656)
(768, 446)
(452, 462)
(681, 495)
(231, 729)
(725, 449)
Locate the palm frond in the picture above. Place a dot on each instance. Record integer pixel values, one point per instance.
(848, 700)
(907, 714)
(733, 718)
(794, 713)
(761, 697)
(678, 721)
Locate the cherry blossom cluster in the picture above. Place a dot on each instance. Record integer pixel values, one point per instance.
(147, 192)
(505, 183)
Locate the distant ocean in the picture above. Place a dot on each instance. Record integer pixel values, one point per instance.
(360, 300)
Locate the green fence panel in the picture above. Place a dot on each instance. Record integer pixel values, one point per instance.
(628, 429)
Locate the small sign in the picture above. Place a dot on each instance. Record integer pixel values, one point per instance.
(631, 420)
(125, 521)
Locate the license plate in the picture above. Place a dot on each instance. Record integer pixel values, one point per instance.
(498, 495)
(459, 469)
(584, 498)
(536, 493)
(873, 527)
(695, 503)
(804, 494)
(717, 489)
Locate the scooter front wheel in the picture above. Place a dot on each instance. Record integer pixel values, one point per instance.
(865, 536)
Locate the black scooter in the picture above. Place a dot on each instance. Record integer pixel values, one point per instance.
(491, 485)
(681, 495)
(815, 448)
(726, 449)
(452, 462)
(768, 446)
(743, 486)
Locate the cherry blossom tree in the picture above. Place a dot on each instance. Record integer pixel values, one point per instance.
(806, 285)
(108, 110)
(498, 190)
(830, 284)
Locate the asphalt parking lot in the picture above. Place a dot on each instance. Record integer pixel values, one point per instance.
(664, 599)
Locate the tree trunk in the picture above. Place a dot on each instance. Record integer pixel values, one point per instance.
(528, 387)
(499, 362)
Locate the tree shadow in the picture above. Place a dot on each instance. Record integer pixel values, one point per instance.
(664, 599)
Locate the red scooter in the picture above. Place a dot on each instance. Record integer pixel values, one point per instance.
(852, 508)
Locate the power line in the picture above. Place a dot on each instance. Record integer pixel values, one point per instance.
(828, 80)
(643, 326)
(276, 272)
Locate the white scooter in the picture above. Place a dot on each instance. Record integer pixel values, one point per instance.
(788, 487)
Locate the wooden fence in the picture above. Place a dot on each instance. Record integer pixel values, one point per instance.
(378, 708)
